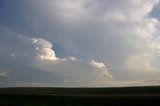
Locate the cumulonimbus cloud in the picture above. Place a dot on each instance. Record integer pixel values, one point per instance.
(40, 56)
(75, 70)
(94, 33)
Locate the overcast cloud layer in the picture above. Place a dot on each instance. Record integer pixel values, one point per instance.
(79, 43)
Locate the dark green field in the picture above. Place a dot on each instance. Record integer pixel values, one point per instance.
(80, 96)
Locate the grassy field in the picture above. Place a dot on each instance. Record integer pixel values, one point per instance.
(80, 96)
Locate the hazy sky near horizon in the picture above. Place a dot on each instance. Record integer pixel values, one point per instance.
(79, 43)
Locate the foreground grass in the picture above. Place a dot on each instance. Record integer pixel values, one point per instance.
(79, 96)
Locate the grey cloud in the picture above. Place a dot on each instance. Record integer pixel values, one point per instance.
(156, 80)
(4, 74)
(119, 33)
(29, 65)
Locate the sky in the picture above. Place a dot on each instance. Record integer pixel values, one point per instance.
(79, 43)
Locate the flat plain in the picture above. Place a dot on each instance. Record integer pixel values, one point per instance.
(47, 96)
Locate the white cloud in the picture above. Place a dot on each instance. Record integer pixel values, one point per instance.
(97, 64)
(4, 74)
(147, 45)
(141, 63)
(44, 49)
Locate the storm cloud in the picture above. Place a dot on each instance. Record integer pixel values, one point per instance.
(78, 42)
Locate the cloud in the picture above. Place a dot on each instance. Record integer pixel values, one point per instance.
(74, 70)
(147, 48)
(4, 74)
(156, 80)
(44, 49)
(95, 35)
(97, 65)
(141, 62)
(39, 58)
(146, 82)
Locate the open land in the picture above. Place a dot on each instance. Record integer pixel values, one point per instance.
(45, 96)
